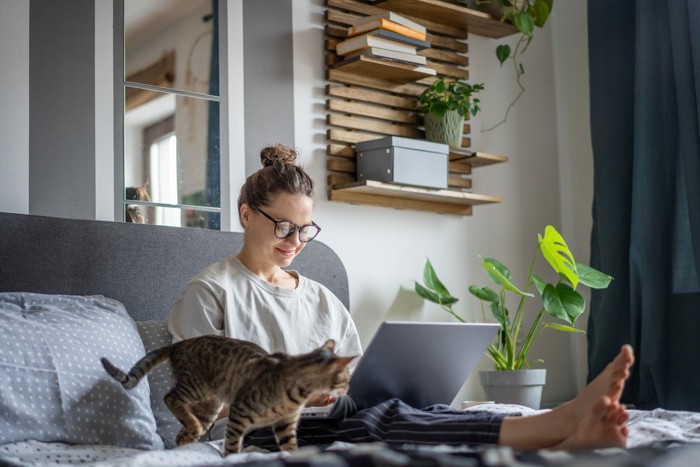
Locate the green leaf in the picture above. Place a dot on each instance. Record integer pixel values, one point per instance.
(505, 272)
(431, 280)
(557, 254)
(542, 10)
(502, 53)
(592, 277)
(563, 327)
(563, 302)
(523, 21)
(439, 85)
(484, 293)
(500, 314)
(433, 290)
(497, 356)
(431, 296)
(427, 294)
(501, 275)
(539, 283)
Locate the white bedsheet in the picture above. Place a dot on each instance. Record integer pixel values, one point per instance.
(646, 427)
(35, 453)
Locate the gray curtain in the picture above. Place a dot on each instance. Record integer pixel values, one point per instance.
(645, 83)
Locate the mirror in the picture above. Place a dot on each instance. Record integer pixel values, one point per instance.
(171, 113)
(168, 43)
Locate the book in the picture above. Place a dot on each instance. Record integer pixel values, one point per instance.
(393, 17)
(394, 36)
(382, 23)
(349, 46)
(377, 52)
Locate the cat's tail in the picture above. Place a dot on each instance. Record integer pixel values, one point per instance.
(143, 366)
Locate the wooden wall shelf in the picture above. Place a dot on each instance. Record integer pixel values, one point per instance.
(383, 69)
(370, 98)
(463, 18)
(408, 197)
(476, 159)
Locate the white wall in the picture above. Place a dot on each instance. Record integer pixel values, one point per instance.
(384, 250)
(14, 102)
(104, 110)
(570, 50)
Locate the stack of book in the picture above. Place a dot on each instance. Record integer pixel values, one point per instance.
(386, 36)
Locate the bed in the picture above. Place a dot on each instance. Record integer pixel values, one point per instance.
(73, 290)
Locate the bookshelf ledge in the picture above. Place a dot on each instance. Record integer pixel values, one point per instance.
(458, 16)
(384, 69)
(476, 159)
(409, 197)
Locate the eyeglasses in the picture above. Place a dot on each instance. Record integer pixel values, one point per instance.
(285, 229)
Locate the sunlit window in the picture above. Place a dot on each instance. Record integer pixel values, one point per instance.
(163, 177)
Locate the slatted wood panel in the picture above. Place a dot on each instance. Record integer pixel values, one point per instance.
(371, 98)
(364, 99)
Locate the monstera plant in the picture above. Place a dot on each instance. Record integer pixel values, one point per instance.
(560, 299)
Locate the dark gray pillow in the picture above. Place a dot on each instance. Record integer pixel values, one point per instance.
(155, 335)
(52, 385)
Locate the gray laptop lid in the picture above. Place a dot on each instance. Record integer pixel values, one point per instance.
(421, 363)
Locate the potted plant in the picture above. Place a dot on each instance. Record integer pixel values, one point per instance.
(560, 300)
(445, 104)
(525, 15)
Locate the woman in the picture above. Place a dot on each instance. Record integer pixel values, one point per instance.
(251, 297)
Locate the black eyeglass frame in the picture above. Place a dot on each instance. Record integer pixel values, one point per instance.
(295, 228)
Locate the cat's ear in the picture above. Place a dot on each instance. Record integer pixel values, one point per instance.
(330, 345)
(342, 362)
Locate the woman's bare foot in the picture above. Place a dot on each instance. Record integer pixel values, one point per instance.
(609, 383)
(562, 424)
(603, 427)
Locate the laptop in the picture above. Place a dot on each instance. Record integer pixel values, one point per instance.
(421, 363)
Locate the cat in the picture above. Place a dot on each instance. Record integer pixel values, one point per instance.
(260, 388)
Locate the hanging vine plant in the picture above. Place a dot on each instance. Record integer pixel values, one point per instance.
(525, 15)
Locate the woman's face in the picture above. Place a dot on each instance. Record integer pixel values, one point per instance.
(260, 235)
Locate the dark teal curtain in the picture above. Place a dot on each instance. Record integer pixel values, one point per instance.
(213, 191)
(644, 89)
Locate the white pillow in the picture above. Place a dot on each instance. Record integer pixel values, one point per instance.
(52, 385)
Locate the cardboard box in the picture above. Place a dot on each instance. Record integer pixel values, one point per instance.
(403, 161)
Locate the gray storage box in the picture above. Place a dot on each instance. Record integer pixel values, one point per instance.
(403, 160)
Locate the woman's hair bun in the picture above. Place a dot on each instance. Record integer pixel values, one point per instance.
(278, 153)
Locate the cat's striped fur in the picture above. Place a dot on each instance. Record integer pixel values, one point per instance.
(260, 389)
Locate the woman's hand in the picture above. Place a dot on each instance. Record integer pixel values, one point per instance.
(319, 400)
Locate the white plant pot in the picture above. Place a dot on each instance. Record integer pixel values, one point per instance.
(522, 387)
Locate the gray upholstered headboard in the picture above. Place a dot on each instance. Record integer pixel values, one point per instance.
(143, 266)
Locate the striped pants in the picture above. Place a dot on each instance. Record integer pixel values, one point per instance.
(392, 421)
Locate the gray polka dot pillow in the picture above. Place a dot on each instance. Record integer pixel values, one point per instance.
(155, 335)
(52, 385)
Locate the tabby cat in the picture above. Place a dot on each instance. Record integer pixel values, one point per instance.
(261, 389)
